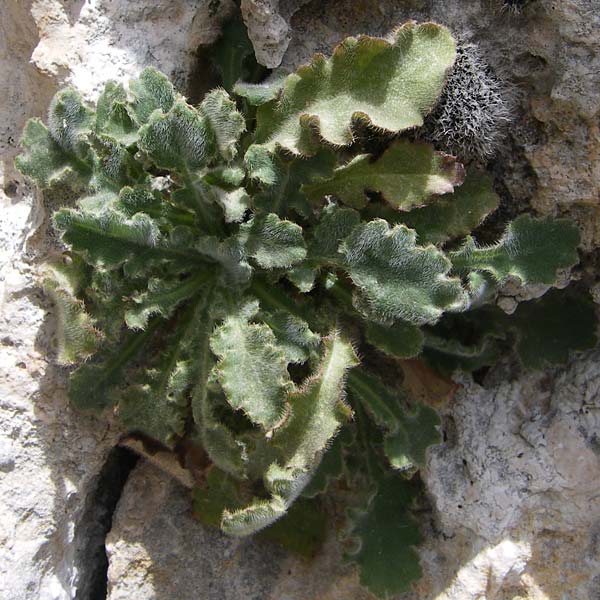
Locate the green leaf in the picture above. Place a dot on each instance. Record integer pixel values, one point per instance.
(455, 215)
(225, 122)
(317, 408)
(252, 368)
(91, 385)
(330, 468)
(179, 140)
(388, 534)
(186, 139)
(410, 428)
(151, 91)
(548, 329)
(265, 91)
(112, 115)
(232, 53)
(157, 406)
(109, 239)
(261, 166)
(530, 249)
(390, 85)
(284, 195)
(229, 254)
(273, 242)
(407, 174)
(399, 340)
(396, 278)
(317, 411)
(78, 338)
(45, 161)
(448, 355)
(335, 225)
(219, 492)
(162, 298)
(301, 531)
(70, 122)
(114, 166)
(293, 335)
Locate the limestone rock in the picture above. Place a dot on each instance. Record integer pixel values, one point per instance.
(157, 550)
(520, 475)
(268, 23)
(99, 40)
(50, 457)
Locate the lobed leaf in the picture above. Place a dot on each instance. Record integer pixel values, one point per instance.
(396, 278)
(387, 529)
(410, 428)
(456, 214)
(113, 116)
(273, 242)
(78, 338)
(407, 174)
(530, 249)
(151, 91)
(390, 85)
(252, 368)
(265, 91)
(284, 194)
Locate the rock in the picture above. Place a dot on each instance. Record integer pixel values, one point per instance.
(101, 40)
(50, 457)
(157, 550)
(268, 23)
(519, 476)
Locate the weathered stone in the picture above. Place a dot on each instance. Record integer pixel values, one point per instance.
(268, 23)
(50, 457)
(157, 550)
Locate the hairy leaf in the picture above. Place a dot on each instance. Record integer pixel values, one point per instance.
(162, 298)
(284, 194)
(45, 161)
(396, 278)
(454, 215)
(91, 385)
(186, 139)
(78, 337)
(265, 91)
(113, 117)
(410, 427)
(317, 411)
(399, 340)
(252, 368)
(273, 242)
(151, 91)
(530, 249)
(390, 85)
(407, 174)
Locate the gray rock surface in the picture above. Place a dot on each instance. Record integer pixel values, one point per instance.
(50, 457)
(268, 23)
(514, 489)
(156, 550)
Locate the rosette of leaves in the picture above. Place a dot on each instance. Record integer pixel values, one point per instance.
(227, 263)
